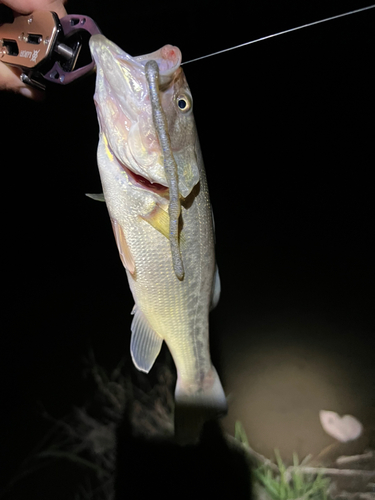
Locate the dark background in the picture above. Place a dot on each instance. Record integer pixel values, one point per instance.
(287, 131)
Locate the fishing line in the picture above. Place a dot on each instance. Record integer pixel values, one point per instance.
(282, 33)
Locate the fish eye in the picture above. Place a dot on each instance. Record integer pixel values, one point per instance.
(184, 103)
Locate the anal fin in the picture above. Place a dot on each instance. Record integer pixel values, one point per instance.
(145, 343)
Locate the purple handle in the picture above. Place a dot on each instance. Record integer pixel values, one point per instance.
(70, 24)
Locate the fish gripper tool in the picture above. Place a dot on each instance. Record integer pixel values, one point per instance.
(48, 49)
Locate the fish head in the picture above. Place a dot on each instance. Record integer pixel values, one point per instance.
(125, 113)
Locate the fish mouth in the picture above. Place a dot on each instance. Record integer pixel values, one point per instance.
(140, 181)
(137, 179)
(144, 183)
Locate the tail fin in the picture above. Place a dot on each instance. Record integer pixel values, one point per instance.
(192, 410)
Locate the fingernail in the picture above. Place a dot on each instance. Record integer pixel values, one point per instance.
(26, 92)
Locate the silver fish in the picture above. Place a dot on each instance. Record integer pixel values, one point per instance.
(155, 188)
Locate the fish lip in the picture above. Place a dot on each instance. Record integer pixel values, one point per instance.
(168, 57)
(99, 45)
(169, 60)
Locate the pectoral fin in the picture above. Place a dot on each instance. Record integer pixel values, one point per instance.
(123, 249)
(145, 344)
(159, 220)
(96, 197)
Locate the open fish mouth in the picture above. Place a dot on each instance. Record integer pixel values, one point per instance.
(137, 179)
(144, 183)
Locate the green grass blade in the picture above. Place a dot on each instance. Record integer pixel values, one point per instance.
(240, 434)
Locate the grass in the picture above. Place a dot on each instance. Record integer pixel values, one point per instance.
(285, 483)
(87, 439)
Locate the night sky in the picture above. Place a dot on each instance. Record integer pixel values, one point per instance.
(287, 132)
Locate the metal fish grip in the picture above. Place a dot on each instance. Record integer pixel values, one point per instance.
(46, 48)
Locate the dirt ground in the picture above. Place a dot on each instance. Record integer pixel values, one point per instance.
(280, 371)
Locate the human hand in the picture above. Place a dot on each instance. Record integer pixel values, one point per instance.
(10, 76)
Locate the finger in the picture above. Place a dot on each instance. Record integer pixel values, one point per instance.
(10, 80)
(10, 76)
(28, 6)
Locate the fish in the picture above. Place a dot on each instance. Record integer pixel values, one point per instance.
(155, 188)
